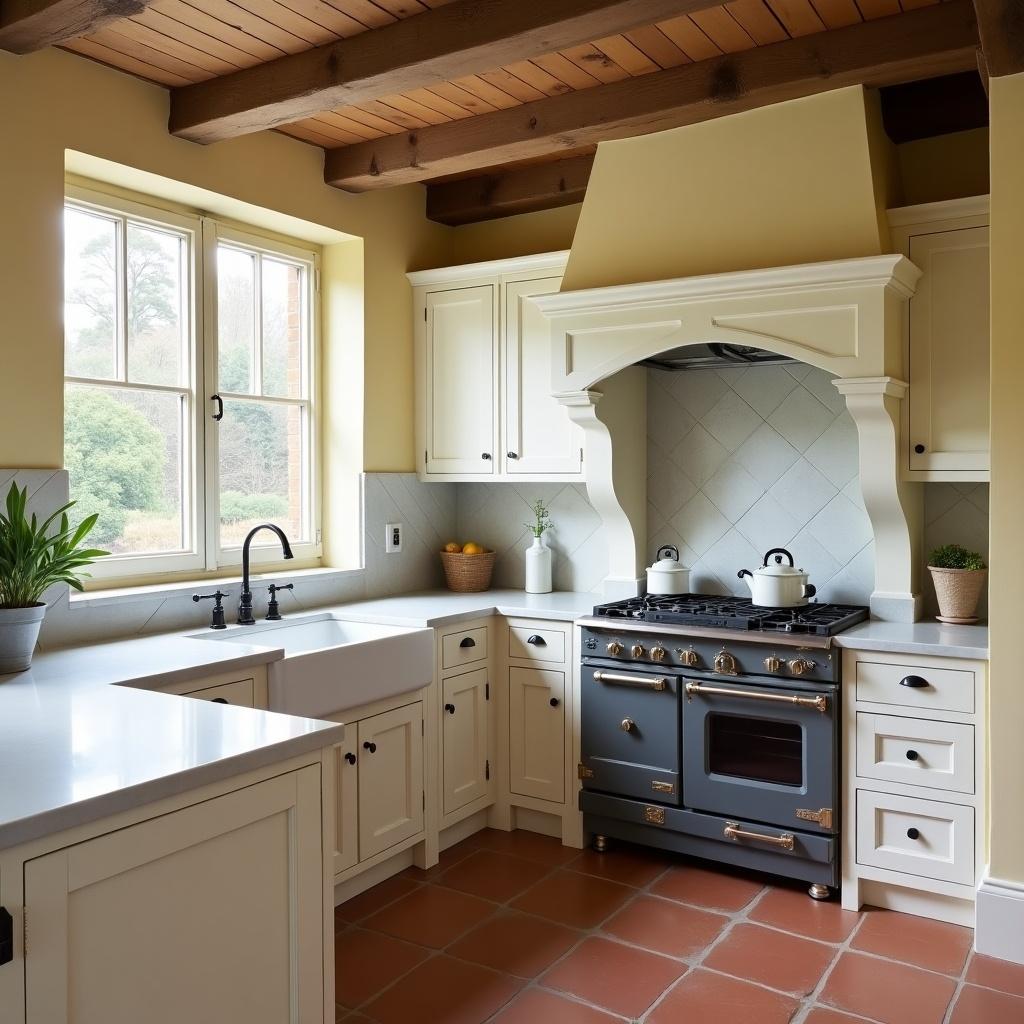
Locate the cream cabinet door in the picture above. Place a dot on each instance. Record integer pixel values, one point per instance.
(465, 733)
(536, 708)
(346, 789)
(461, 401)
(390, 778)
(949, 352)
(539, 437)
(211, 913)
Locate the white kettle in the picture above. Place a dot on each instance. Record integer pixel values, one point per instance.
(668, 577)
(777, 584)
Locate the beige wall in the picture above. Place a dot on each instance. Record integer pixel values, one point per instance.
(1006, 604)
(946, 167)
(527, 233)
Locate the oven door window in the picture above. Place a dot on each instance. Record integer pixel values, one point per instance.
(759, 749)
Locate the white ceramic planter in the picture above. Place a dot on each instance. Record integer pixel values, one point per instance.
(19, 631)
(538, 567)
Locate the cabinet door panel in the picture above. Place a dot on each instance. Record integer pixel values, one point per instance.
(121, 928)
(461, 398)
(949, 351)
(390, 778)
(465, 739)
(346, 788)
(539, 436)
(537, 733)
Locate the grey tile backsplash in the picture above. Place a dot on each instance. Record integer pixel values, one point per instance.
(954, 514)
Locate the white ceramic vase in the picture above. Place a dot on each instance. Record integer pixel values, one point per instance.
(538, 567)
(19, 630)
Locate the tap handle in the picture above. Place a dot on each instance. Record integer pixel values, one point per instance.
(217, 618)
(273, 610)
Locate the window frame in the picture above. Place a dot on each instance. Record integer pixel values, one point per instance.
(200, 455)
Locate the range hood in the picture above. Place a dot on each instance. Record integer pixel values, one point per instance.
(714, 356)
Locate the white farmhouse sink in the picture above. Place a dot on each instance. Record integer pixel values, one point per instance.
(331, 665)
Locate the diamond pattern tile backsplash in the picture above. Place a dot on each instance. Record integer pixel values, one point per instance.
(954, 514)
(744, 459)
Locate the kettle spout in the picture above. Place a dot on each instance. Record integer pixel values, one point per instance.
(748, 577)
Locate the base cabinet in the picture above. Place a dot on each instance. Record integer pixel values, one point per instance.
(466, 768)
(536, 708)
(121, 928)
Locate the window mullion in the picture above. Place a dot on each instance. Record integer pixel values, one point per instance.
(122, 300)
(257, 321)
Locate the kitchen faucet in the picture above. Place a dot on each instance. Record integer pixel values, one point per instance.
(245, 601)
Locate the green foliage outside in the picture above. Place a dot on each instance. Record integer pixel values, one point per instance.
(954, 556)
(237, 507)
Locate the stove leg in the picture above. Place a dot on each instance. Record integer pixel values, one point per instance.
(601, 844)
(819, 891)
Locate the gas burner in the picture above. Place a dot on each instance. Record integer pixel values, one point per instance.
(735, 613)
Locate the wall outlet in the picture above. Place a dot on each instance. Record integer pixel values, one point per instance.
(393, 538)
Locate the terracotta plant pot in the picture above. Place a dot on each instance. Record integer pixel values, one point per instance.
(958, 591)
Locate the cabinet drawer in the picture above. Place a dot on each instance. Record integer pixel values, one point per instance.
(916, 751)
(464, 648)
(240, 693)
(944, 689)
(536, 644)
(917, 837)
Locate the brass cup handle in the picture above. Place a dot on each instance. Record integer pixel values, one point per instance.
(732, 830)
(627, 725)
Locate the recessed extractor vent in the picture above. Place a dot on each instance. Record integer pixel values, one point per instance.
(715, 356)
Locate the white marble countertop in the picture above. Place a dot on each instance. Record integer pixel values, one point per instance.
(936, 638)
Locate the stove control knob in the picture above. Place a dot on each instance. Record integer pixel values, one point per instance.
(638, 651)
(798, 666)
(658, 653)
(690, 658)
(615, 648)
(725, 663)
(773, 663)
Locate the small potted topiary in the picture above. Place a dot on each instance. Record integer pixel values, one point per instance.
(959, 578)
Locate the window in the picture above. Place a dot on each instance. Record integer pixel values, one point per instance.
(190, 383)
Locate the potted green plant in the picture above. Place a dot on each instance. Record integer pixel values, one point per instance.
(538, 557)
(32, 559)
(959, 578)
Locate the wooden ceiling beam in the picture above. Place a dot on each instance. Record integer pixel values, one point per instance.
(507, 192)
(28, 25)
(904, 47)
(1001, 27)
(442, 44)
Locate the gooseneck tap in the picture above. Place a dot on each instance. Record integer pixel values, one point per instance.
(245, 601)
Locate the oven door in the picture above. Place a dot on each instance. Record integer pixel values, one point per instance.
(762, 752)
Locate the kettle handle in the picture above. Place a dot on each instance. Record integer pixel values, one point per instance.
(668, 550)
(778, 551)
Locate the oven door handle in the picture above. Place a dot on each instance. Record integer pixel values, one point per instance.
(819, 703)
(733, 831)
(658, 683)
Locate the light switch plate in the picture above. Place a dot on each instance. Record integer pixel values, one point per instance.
(393, 538)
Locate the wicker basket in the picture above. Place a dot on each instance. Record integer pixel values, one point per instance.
(958, 592)
(468, 574)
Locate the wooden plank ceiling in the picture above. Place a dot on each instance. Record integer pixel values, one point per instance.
(177, 43)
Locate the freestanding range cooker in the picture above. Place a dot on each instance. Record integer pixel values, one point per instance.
(710, 726)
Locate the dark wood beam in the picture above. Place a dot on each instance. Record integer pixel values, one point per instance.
(27, 25)
(1001, 27)
(507, 192)
(920, 44)
(461, 38)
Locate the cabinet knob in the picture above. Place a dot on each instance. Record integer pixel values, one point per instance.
(919, 448)
(554, 702)
(450, 708)
(467, 641)
(537, 640)
(914, 682)
(912, 833)
(350, 757)
(219, 700)
(485, 455)
(912, 755)
(512, 455)
(371, 747)
(627, 725)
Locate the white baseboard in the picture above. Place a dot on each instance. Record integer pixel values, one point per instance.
(999, 930)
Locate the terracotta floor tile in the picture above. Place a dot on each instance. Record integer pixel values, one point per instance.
(772, 958)
(444, 991)
(666, 927)
(914, 940)
(494, 876)
(707, 888)
(629, 865)
(518, 944)
(545, 849)
(613, 976)
(703, 996)
(888, 992)
(431, 916)
(794, 911)
(448, 859)
(372, 900)
(365, 962)
(535, 1006)
(994, 973)
(568, 897)
(823, 1015)
(984, 1006)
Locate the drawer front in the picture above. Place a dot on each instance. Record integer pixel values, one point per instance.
(916, 837)
(916, 686)
(241, 693)
(536, 644)
(464, 648)
(916, 751)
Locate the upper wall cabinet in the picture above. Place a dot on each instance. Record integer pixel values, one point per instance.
(483, 375)
(946, 412)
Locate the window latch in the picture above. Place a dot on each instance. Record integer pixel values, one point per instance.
(219, 414)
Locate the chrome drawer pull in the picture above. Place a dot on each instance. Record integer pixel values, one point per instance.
(642, 682)
(819, 703)
(732, 830)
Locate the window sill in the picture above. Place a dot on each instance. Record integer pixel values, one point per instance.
(258, 580)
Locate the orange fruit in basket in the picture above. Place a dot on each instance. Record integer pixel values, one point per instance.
(472, 548)
(452, 548)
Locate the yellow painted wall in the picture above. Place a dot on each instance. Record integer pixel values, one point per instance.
(786, 184)
(522, 235)
(1006, 603)
(945, 167)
